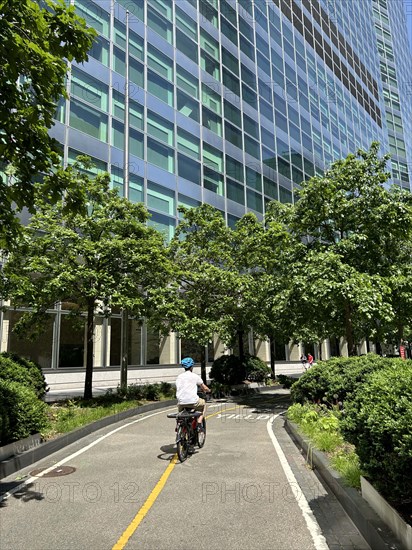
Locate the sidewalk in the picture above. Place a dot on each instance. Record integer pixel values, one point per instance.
(66, 385)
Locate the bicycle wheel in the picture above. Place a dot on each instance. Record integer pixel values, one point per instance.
(182, 443)
(201, 436)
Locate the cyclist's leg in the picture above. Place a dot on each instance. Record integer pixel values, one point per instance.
(200, 407)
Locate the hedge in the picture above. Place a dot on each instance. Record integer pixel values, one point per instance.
(378, 421)
(21, 412)
(24, 371)
(336, 379)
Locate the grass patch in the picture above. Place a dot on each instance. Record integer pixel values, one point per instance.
(66, 416)
(321, 426)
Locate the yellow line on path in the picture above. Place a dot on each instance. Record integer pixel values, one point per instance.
(121, 543)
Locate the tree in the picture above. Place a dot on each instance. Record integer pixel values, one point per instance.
(37, 41)
(100, 255)
(194, 304)
(355, 230)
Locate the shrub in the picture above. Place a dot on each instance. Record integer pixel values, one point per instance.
(152, 392)
(167, 389)
(378, 422)
(336, 379)
(285, 380)
(18, 369)
(21, 412)
(256, 369)
(227, 370)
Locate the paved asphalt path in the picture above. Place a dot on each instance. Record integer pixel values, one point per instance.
(248, 488)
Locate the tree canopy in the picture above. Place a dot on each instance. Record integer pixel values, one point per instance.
(100, 255)
(38, 39)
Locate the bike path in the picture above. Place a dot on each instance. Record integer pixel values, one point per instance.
(233, 493)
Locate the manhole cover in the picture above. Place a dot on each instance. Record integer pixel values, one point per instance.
(56, 472)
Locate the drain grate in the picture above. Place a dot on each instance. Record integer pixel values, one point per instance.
(56, 472)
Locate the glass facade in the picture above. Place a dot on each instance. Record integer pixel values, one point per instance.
(235, 103)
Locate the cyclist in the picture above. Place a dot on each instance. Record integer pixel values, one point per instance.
(187, 385)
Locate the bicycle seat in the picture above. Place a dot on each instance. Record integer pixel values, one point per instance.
(188, 413)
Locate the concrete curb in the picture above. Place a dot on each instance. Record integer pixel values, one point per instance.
(372, 528)
(17, 462)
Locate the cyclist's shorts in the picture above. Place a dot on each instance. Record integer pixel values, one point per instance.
(199, 406)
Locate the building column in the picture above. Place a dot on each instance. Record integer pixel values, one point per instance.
(5, 331)
(168, 349)
(219, 347)
(98, 347)
(262, 348)
(293, 352)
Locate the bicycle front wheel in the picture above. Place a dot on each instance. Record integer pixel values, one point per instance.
(201, 436)
(182, 443)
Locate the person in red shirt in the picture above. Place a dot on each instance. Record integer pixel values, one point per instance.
(310, 359)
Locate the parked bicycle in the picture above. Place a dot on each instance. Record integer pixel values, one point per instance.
(187, 434)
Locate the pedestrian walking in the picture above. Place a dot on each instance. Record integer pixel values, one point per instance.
(304, 361)
(310, 359)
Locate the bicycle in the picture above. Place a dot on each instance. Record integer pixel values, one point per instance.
(187, 434)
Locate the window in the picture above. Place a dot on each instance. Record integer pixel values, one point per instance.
(100, 50)
(160, 155)
(188, 144)
(233, 135)
(210, 65)
(211, 99)
(234, 168)
(231, 82)
(250, 126)
(186, 46)
(160, 128)
(136, 143)
(94, 16)
(213, 181)
(252, 147)
(253, 179)
(213, 158)
(230, 61)
(135, 188)
(160, 87)
(235, 191)
(160, 62)
(270, 188)
(232, 113)
(212, 121)
(186, 24)
(188, 168)
(136, 73)
(187, 82)
(160, 198)
(88, 89)
(254, 200)
(88, 120)
(159, 24)
(187, 106)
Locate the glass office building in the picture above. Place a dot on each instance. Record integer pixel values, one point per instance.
(232, 103)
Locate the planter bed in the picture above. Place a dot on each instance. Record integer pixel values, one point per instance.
(377, 534)
(37, 450)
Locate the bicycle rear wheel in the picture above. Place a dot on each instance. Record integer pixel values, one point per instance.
(201, 436)
(182, 443)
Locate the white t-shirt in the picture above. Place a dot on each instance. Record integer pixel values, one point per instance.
(186, 387)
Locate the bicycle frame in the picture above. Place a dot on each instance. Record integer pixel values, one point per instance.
(186, 431)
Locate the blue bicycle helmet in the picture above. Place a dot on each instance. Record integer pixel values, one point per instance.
(187, 362)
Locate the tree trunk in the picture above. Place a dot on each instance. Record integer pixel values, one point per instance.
(242, 373)
(349, 331)
(203, 364)
(241, 348)
(272, 357)
(125, 350)
(88, 384)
